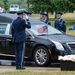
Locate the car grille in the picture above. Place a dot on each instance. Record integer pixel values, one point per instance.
(71, 46)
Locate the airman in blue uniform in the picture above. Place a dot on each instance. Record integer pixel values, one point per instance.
(60, 23)
(43, 18)
(19, 37)
(46, 19)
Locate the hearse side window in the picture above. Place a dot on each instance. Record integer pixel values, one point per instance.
(3, 28)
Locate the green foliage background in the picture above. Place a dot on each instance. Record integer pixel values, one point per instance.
(42, 5)
(21, 3)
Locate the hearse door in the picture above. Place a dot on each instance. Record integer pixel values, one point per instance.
(10, 49)
(2, 46)
(3, 38)
(10, 46)
(28, 45)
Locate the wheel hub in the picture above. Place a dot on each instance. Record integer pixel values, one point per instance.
(41, 56)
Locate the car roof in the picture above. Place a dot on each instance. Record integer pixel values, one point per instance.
(8, 18)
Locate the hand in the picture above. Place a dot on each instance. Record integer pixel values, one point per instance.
(26, 16)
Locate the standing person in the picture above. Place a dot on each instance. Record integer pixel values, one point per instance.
(19, 37)
(60, 23)
(41, 17)
(46, 19)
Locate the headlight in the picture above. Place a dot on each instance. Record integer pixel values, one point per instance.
(58, 45)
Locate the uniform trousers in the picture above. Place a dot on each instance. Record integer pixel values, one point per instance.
(20, 53)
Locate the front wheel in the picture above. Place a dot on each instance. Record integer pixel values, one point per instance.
(41, 56)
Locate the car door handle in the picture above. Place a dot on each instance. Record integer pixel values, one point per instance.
(9, 40)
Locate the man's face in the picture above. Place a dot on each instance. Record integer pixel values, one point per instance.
(58, 16)
(22, 15)
(45, 17)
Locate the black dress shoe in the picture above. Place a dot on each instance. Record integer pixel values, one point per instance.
(17, 68)
(22, 68)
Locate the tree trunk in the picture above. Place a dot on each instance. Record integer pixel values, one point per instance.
(47, 15)
(55, 15)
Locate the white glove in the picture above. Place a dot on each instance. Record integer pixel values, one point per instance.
(26, 16)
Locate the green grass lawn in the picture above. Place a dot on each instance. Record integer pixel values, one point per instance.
(40, 73)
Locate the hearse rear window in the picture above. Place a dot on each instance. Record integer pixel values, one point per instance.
(2, 28)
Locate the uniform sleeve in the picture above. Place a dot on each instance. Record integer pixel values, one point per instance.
(26, 24)
(64, 26)
(12, 30)
(49, 23)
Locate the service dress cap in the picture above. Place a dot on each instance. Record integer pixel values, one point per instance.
(60, 13)
(44, 14)
(21, 12)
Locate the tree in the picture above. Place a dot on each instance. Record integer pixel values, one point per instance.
(53, 5)
(42, 5)
(70, 5)
(64, 5)
(1, 4)
(5, 4)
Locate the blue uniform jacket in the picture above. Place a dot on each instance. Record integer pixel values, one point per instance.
(60, 25)
(47, 22)
(18, 29)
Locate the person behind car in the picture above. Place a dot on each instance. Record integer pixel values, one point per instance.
(19, 37)
(60, 23)
(46, 19)
(41, 17)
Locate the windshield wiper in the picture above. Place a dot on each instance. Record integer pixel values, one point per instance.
(50, 34)
(56, 34)
(43, 34)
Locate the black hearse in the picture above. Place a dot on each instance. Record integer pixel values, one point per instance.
(43, 44)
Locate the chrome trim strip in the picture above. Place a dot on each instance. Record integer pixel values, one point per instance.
(7, 55)
(10, 55)
(69, 43)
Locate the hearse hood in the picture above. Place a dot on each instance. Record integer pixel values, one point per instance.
(60, 38)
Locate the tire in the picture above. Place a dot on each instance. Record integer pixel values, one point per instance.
(42, 57)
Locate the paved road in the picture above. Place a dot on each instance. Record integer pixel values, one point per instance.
(12, 68)
(29, 67)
